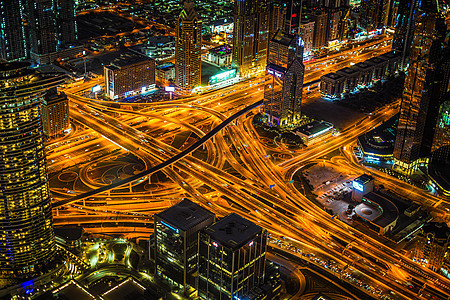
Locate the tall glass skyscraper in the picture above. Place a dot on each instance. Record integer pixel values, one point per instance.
(188, 48)
(424, 87)
(12, 37)
(27, 240)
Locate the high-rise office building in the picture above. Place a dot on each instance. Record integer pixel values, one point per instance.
(306, 32)
(66, 22)
(232, 258)
(176, 242)
(188, 48)
(424, 87)
(320, 18)
(55, 113)
(432, 247)
(250, 35)
(12, 37)
(404, 28)
(277, 18)
(27, 241)
(284, 79)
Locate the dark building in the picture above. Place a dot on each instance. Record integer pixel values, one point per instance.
(284, 79)
(176, 242)
(250, 35)
(188, 48)
(277, 18)
(432, 246)
(404, 28)
(320, 18)
(51, 26)
(232, 258)
(27, 241)
(376, 14)
(12, 37)
(424, 87)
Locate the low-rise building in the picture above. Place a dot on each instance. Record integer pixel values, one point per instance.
(351, 78)
(130, 74)
(220, 55)
(225, 25)
(314, 132)
(365, 72)
(165, 72)
(379, 65)
(332, 85)
(361, 186)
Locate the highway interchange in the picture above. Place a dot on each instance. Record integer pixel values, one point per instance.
(230, 172)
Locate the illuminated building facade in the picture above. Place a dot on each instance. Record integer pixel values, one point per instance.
(27, 241)
(130, 74)
(55, 113)
(424, 85)
(277, 18)
(361, 186)
(12, 37)
(250, 35)
(232, 258)
(284, 79)
(188, 48)
(176, 242)
(432, 248)
(306, 32)
(220, 55)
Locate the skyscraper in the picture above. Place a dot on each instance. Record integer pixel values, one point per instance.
(12, 38)
(250, 35)
(424, 87)
(284, 79)
(176, 242)
(66, 22)
(232, 258)
(27, 241)
(188, 48)
(320, 18)
(404, 28)
(277, 18)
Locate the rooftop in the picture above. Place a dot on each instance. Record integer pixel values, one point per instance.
(391, 55)
(185, 214)
(128, 58)
(332, 76)
(314, 127)
(389, 212)
(380, 141)
(362, 65)
(376, 60)
(233, 231)
(283, 38)
(364, 178)
(221, 50)
(347, 71)
(166, 65)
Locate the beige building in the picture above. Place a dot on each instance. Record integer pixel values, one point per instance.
(130, 74)
(55, 113)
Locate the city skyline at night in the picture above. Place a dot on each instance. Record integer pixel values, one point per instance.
(255, 149)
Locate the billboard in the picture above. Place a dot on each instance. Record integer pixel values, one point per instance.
(222, 76)
(96, 88)
(170, 89)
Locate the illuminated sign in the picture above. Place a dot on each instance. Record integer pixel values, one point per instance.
(170, 89)
(274, 72)
(222, 76)
(251, 243)
(215, 244)
(357, 186)
(301, 43)
(96, 88)
(169, 226)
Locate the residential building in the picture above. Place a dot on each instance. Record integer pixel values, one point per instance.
(55, 113)
(320, 18)
(12, 36)
(27, 239)
(188, 48)
(306, 32)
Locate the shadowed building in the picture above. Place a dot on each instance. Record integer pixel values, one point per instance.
(432, 246)
(424, 87)
(12, 37)
(188, 48)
